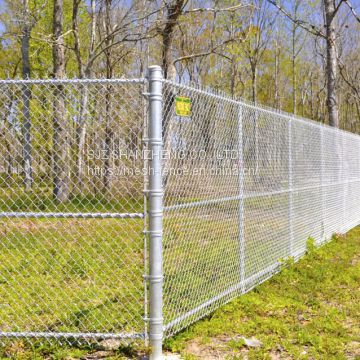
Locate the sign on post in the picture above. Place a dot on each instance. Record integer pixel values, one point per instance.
(182, 106)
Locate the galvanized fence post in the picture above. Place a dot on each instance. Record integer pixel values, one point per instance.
(155, 211)
(290, 185)
(343, 182)
(322, 186)
(241, 201)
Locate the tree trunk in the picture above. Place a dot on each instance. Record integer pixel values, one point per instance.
(5, 134)
(293, 64)
(277, 70)
(26, 96)
(61, 158)
(81, 124)
(174, 10)
(108, 104)
(233, 77)
(331, 63)
(303, 100)
(168, 63)
(311, 98)
(81, 137)
(253, 82)
(108, 137)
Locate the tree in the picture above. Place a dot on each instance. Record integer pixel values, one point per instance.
(174, 9)
(258, 40)
(84, 71)
(108, 103)
(26, 96)
(331, 9)
(61, 146)
(331, 61)
(116, 27)
(295, 49)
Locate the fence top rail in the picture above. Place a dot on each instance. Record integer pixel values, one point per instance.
(94, 215)
(197, 89)
(71, 81)
(241, 102)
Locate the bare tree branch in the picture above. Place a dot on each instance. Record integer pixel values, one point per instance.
(312, 29)
(338, 7)
(231, 8)
(206, 53)
(346, 77)
(347, 2)
(122, 40)
(117, 29)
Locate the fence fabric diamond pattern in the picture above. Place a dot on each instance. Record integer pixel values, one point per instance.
(227, 191)
(245, 188)
(71, 224)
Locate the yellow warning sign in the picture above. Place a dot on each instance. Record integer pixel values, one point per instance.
(182, 106)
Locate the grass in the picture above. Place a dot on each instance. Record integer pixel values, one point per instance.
(211, 235)
(86, 275)
(71, 275)
(41, 200)
(308, 311)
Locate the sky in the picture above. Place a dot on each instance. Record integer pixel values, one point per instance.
(2, 6)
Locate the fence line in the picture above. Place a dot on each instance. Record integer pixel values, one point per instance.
(72, 265)
(224, 234)
(39, 215)
(97, 242)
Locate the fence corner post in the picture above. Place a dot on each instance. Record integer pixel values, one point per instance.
(155, 78)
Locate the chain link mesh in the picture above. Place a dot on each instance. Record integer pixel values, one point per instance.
(245, 188)
(72, 209)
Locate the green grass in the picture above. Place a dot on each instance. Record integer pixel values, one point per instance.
(308, 311)
(86, 275)
(41, 200)
(71, 275)
(211, 235)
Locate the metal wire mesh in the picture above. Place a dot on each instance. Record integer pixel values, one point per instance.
(245, 188)
(72, 209)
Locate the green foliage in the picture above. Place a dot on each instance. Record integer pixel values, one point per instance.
(310, 246)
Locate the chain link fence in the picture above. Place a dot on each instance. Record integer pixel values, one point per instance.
(72, 209)
(227, 191)
(245, 188)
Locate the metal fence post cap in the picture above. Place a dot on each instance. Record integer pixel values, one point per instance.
(155, 72)
(154, 67)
